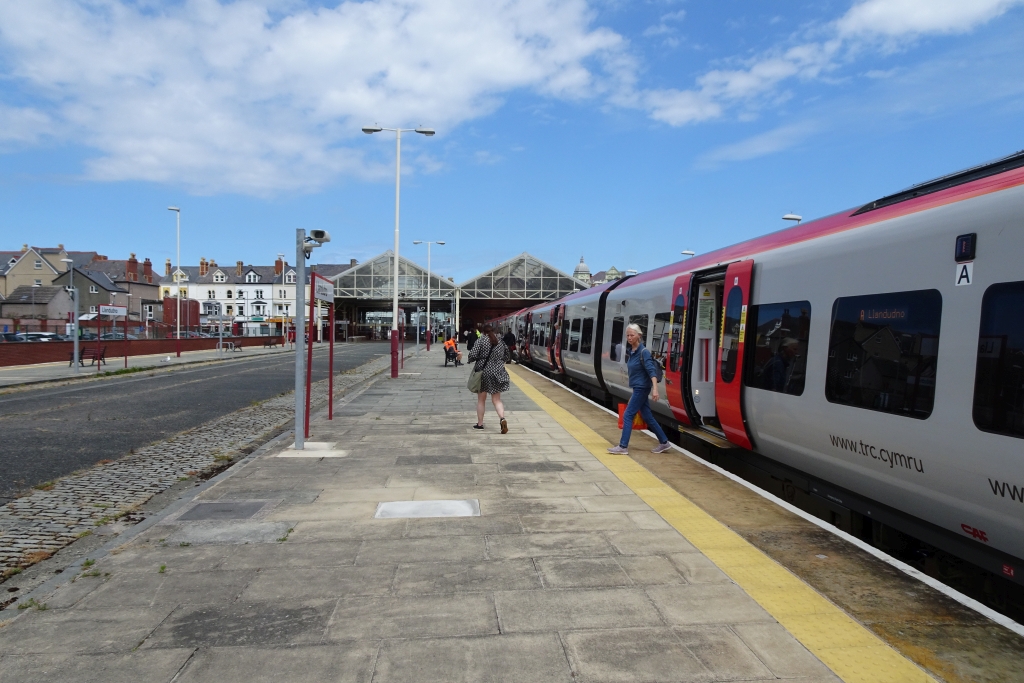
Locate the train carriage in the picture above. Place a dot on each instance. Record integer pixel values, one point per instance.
(876, 356)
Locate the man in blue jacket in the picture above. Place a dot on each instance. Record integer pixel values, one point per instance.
(643, 377)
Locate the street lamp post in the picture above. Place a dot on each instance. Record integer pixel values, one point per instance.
(430, 332)
(177, 283)
(74, 321)
(398, 183)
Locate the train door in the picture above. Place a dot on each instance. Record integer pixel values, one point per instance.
(704, 351)
(677, 349)
(729, 378)
(556, 337)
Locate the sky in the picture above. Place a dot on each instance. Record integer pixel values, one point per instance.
(619, 131)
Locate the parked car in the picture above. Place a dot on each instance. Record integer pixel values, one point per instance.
(13, 337)
(87, 336)
(41, 336)
(111, 336)
(185, 335)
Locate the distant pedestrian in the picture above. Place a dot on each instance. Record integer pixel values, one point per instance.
(490, 354)
(643, 380)
(470, 340)
(510, 342)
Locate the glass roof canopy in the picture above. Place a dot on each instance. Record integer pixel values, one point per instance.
(523, 277)
(373, 280)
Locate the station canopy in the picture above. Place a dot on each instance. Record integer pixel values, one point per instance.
(373, 280)
(521, 278)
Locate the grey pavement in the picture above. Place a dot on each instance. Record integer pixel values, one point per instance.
(281, 572)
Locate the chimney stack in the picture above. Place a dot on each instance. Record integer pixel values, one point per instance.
(204, 268)
(147, 270)
(278, 266)
(24, 248)
(167, 268)
(352, 263)
(60, 246)
(132, 271)
(213, 263)
(238, 268)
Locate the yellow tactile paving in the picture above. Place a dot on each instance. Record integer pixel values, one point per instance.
(854, 653)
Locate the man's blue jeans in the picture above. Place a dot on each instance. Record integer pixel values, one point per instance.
(639, 403)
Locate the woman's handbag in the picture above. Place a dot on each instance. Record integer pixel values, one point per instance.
(475, 377)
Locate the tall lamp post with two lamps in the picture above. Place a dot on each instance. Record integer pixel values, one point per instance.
(177, 283)
(398, 183)
(430, 326)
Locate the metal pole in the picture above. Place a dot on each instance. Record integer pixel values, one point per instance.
(430, 332)
(309, 356)
(300, 275)
(177, 290)
(394, 306)
(330, 369)
(74, 330)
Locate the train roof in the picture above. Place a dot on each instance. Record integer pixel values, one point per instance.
(980, 180)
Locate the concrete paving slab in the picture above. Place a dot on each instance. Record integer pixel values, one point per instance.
(317, 531)
(515, 506)
(229, 532)
(457, 577)
(649, 542)
(537, 658)
(419, 509)
(604, 503)
(156, 666)
(709, 603)
(632, 656)
(650, 570)
(589, 521)
(168, 588)
(290, 584)
(553, 610)
(548, 545)
(696, 568)
(436, 549)
(724, 654)
(413, 616)
(582, 572)
(292, 554)
(244, 624)
(84, 631)
(147, 557)
(348, 662)
(785, 657)
(464, 526)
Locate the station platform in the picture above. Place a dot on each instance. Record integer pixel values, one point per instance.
(550, 560)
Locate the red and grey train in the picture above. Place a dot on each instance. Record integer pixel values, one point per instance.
(873, 358)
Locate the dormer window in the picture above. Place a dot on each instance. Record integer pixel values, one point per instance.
(289, 278)
(251, 277)
(219, 277)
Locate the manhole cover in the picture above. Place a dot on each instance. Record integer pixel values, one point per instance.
(218, 511)
(428, 508)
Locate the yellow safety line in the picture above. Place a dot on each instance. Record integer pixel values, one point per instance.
(853, 652)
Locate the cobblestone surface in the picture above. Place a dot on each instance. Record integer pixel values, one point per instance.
(41, 523)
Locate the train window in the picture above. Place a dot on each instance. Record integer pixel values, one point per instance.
(574, 336)
(882, 352)
(659, 337)
(565, 334)
(615, 348)
(731, 333)
(999, 379)
(678, 320)
(640, 320)
(587, 337)
(777, 355)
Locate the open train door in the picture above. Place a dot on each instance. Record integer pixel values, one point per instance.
(677, 349)
(729, 378)
(556, 337)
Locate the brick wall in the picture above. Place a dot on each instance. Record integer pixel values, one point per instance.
(30, 353)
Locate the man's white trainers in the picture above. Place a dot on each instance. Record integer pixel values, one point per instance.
(661, 448)
(618, 450)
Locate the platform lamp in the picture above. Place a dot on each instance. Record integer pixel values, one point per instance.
(793, 217)
(177, 282)
(398, 179)
(430, 332)
(688, 252)
(74, 321)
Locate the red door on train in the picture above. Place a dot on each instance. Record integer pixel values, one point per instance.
(677, 349)
(729, 378)
(556, 338)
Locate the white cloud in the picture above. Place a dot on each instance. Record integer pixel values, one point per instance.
(759, 79)
(260, 96)
(770, 142)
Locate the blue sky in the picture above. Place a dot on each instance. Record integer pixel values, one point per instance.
(621, 131)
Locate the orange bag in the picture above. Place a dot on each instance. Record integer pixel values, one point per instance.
(638, 422)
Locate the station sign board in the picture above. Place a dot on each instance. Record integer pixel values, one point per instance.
(323, 289)
(113, 310)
